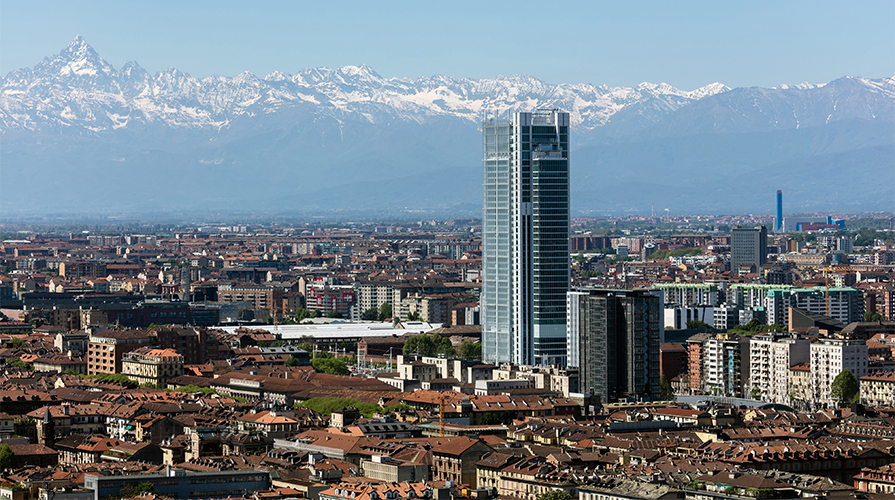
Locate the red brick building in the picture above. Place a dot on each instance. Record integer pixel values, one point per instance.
(196, 345)
(106, 349)
(673, 360)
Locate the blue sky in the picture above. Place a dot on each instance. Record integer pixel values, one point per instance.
(687, 44)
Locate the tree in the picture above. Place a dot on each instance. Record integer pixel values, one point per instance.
(446, 349)
(370, 314)
(470, 350)
(868, 316)
(754, 325)
(489, 419)
(133, 490)
(19, 343)
(18, 363)
(302, 314)
(420, 344)
(844, 387)
(7, 457)
(695, 324)
(413, 316)
(334, 314)
(385, 311)
(292, 361)
(756, 393)
(555, 495)
(666, 392)
(429, 345)
(324, 362)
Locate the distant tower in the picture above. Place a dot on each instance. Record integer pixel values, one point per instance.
(779, 210)
(47, 430)
(748, 246)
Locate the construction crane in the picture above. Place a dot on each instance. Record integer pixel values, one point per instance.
(441, 400)
(830, 270)
(274, 314)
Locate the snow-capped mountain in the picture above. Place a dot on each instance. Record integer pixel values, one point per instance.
(348, 136)
(77, 88)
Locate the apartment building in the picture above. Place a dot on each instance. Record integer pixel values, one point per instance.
(800, 386)
(371, 295)
(430, 308)
(752, 295)
(878, 389)
(689, 295)
(770, 358)
(332, 299)
(105, 350)
(828, 358)
(845, 304)
(261, 296)
(148, 365)
(725, 364)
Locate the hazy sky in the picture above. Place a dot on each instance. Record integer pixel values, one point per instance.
(687, 44)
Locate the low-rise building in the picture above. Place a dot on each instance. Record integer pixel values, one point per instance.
(152, 366)
(879, 480)
(179, 483)
(878, 389)
(455, 460)
(58, 363)
(492, 387)
(387, 469)
(272, 424)
(105, 350)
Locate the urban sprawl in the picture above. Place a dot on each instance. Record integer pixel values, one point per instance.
(526, 355)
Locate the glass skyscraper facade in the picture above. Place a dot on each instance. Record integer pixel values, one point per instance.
(614, 342)
(525, 238)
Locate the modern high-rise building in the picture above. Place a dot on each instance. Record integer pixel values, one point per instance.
(778, 224)
(525, 238)
(613, 338)
(748, 245)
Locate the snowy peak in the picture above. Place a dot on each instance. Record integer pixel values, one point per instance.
(79, 46)
(78, 60)
(175, 99)
(708, 90)
(276, 76)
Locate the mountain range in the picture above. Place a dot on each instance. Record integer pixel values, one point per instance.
(80, 136)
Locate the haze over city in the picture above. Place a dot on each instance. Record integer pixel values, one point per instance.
(662, 101)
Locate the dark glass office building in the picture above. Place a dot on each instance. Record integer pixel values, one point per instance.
(613, 338)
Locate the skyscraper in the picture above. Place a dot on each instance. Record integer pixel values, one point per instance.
(748, 245)
(525, 238)
(613, 338)
(778, 224)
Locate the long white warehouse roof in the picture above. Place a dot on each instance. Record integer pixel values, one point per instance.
(339, 330)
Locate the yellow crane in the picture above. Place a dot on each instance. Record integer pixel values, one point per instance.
(830, 270)
(441, 400)
(274, 314)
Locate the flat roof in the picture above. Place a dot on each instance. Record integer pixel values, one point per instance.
(339, 330)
